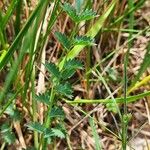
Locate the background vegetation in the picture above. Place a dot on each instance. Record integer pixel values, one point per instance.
(74, 74)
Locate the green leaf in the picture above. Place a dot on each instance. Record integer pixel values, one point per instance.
(64, 89)
(63, 39)
(13, 112)
(10, 101)
(83, 40)
(75, 15)
(53, 70)
(66, 74)
(7, 135)
(70, 68)
(54, 132)
(17, 115)
(57, 112)
(61, 127)
(36, 126)
(5, 127)
(86, 15)
(111, 107)
(10, 109)
(112, 73)
(43, 98)
(95, 134)
(78, 5)
(127, 118)
(70, 10)
(73, 64)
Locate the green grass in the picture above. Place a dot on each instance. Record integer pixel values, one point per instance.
(23, 41)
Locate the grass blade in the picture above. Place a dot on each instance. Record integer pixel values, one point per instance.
(120, 100)
(23, 50)
(21, 34)
(95, 134)
(8, 13)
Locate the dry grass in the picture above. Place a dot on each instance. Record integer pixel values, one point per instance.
(76, 122)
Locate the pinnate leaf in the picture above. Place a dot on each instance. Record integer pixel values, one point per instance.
(6, 133)
(64, 89)
(63, 39)
(43, 98)
(78, 5)
(70, 68)
(36, 126)
(83, 40)
(66, 74)
(73, 64)
(75, 15)
(54, 132)
(86, 15)
(52, 69)
(57, 112)
(70, 10)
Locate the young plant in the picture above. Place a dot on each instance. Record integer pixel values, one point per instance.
(60, 87)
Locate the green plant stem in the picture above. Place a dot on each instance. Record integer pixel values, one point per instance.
(75, 29)
(122, 30)
(120, 100)
(48, 119)
(34, 106)
(2, 39)
(18, 17)
(124, 134)
(88, 64)
(88, 52)
(126, 60)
